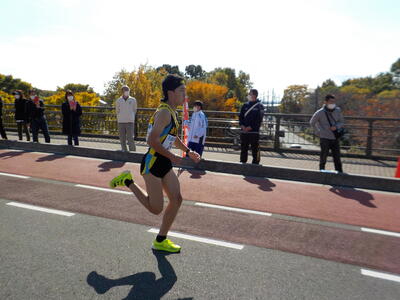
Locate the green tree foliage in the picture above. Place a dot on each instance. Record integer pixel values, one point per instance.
(9, 84)
(294, 99)
(76, 88)
(195, 72)
(170, 69)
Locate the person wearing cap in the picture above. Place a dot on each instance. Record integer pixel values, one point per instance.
(37, 118)
(156, 166)
(72, 112)
(21, 114)
(197, 128)
(2, 131)
(126, 107)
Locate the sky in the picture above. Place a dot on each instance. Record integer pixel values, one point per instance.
(50, 43)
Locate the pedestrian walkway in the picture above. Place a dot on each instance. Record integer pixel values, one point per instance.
(268, 158)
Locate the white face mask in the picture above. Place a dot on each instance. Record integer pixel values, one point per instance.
(33, 97)
(195, 109)
(126, 94)
(70, 98)
(331, 106)
(17, 96)
(249, 97)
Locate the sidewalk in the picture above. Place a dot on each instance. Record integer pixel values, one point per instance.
(289, 160)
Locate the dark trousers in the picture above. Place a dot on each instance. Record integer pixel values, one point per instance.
(41, 124)
(21, 125)
(76, 140)
(197, 147)
(252, 139)
(2, 131)
(334, 146)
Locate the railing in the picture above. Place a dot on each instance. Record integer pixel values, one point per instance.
(279, 132)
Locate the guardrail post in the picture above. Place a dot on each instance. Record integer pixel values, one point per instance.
(368, 150)
(277, 129)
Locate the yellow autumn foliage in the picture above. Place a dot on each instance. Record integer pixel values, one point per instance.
(212, 95)
(7, 98)
(84, 99)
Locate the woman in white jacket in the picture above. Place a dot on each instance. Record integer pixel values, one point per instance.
(197, 129)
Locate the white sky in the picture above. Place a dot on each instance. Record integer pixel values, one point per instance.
(277, 42)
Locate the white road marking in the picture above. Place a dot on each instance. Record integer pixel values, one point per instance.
(43, 209)
(200, 239)
(380, 275)
(248, 211)
(391, 233)
(14, 175)
(102, 189)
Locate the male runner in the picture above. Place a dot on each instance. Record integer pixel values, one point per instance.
(156, 166)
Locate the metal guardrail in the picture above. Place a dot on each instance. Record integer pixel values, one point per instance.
(280, 132)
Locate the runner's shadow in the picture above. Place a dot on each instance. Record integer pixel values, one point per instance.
(363, 197)
(108, 165)
(11, 154)
(264, 184)
(50, 157)
(144, 284)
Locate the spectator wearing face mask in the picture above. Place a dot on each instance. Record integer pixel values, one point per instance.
(126, 107)
(197, 129)
(2, 131)
(37, 118)
(71, 111)
(21, 114)
(326, 122)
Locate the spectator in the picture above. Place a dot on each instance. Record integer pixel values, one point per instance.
(2, 131)
(126, 108)
(326, 122)
(37, 117)
(197, 129)
(250, 119)
(21, 114)
(71, 111)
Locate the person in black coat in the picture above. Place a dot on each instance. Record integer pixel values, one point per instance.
(250, 119)
(72, 112)
(21, 114)
(2, 131)
(37, 117)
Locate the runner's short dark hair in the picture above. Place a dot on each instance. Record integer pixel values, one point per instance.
(329, 97)
(254, 92)
(198, 103)
(170, 83)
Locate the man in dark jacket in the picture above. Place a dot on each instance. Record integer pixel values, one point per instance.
(2, 131)
(250, 119)
(21, 114)
(37, 117)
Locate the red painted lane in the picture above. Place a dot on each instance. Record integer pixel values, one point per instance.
(348, 246)
(348, 206)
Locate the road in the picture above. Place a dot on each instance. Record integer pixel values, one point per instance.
(289, 240)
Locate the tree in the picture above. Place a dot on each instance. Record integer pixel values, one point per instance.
(195, 72)
(84, 98)
(212, 95)
(294, 98)
(76, 88)
(170, 69)
(9, 84)
(395, 68)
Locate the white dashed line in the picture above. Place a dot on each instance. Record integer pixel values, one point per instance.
(42, 209)
(102, 189)
(380, 275)
(200, 239)
(396, 234)
(14, 175)
(248, 211)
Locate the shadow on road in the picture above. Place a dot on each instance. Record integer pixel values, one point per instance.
(364, 198)
(144, 284)
(11, 154)
(108, 165)
(264, 184)
(50, 157)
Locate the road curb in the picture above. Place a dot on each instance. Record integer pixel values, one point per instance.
(346, 180)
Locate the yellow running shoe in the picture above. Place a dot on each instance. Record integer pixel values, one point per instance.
(120, 179)
(167, 246)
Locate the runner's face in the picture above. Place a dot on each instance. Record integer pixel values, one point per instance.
(180, 94)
